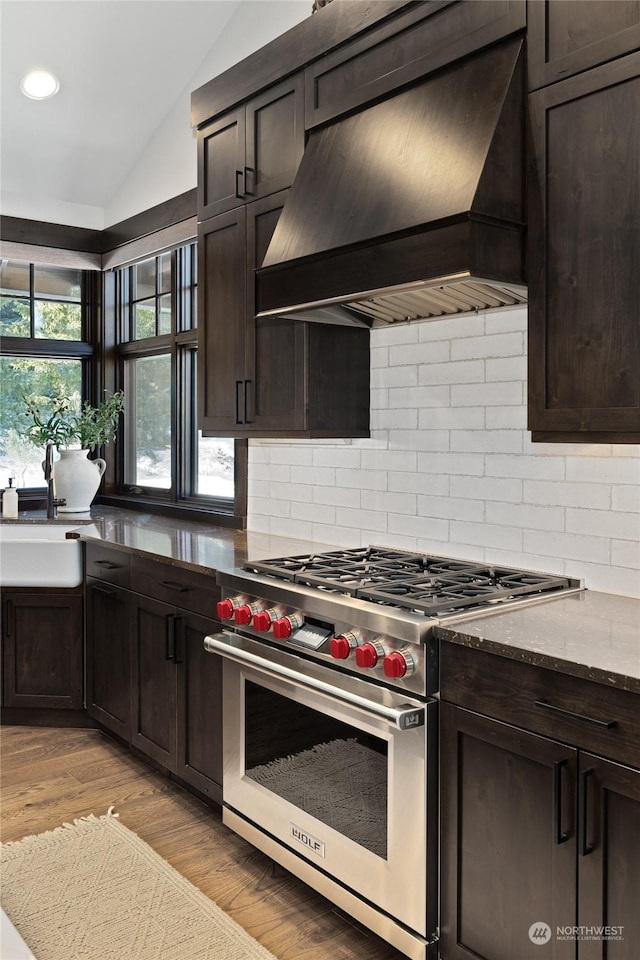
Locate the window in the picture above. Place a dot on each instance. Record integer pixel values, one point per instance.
(164, 455)
(45, 351)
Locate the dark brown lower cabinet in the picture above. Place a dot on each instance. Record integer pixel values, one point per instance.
(540, 846)
(108, 656)
(149, 678)
(42, 650)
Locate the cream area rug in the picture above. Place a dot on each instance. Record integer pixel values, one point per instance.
(93, 890)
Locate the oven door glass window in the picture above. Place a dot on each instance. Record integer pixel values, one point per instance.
(330, 769)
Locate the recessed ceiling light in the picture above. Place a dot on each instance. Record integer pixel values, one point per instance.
(39, 84)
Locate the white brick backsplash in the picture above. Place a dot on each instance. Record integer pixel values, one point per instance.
(604, 523)
(394, 419)
(542, 468)
(453, 464)
(338, 496)
(625, 553)
(511, 368)
(626, 498)
(419, 439)
(452, 418)
(464, 371)
(336, 457)
(525, 516)
(450, 467)
(418, 483)
(487, 488)
(568, 545)
(419, 397)
(588, 495)
(435, 351)
(395, 377)
(487, 345)
(508, 393)
(504, 418)
(418, 527)
(365, 479)
(487, 535)
(451, 508)
(486, 441)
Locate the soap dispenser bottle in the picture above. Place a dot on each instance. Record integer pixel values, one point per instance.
(10, 502)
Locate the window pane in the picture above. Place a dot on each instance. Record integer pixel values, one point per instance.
(57, 321)
(14, 278)
(20, 376)
(148, 421)
(57, 283)
(165, 273)
(164, 314)
(144, 279)
(215, 467)
(15, 317)
(144, 319)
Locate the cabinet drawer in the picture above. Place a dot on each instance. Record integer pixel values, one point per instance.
(415, 43)
(107, 564)
(192, 591)
(585, 714)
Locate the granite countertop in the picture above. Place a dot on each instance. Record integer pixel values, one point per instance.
(591, 635)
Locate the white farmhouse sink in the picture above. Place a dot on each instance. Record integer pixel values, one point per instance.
(39, 555)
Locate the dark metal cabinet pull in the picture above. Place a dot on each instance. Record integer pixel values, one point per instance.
(247, 384)
(608, 724)
(178, 643)
(174, 585)
(559, 835)
(239, 192)
(107, 564)
(239, 415)
(585, 847)
(107, 591)
(247, 172)
(170, 637)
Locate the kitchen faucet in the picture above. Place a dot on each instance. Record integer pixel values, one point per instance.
(52, 502)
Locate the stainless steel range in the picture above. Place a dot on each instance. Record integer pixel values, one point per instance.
(330, 718)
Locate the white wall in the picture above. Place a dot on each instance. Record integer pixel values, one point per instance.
(450, 467)
(167, 166)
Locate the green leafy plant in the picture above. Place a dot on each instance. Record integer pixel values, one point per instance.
(58, 421)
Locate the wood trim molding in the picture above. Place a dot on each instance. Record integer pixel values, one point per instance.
(163, 239)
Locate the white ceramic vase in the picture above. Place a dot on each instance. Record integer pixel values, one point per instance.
(76, 480)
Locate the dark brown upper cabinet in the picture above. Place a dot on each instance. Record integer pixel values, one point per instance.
(566, 37)
(269, 376)
(584, 276)
(251, 151)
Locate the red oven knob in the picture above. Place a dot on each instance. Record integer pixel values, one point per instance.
(340, 647)
(396, 665)
(366, 655)
(283, 627)
(244, 615)
(263, 619)
(225, 608)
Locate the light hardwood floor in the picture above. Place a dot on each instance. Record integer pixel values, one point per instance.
(51, 776)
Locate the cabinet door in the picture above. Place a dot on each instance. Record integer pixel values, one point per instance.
(565, 37)
(609, 858)
(42, 651)
(275, 138)
(275, 346)
(584, 281)
(222, 387)
(508, 839)
(108, 657)
(221, 164)
(154, 680)
(199, 759)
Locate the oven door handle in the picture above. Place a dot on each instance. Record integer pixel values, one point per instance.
(404, 717)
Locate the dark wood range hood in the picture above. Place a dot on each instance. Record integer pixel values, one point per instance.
(411, 208)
